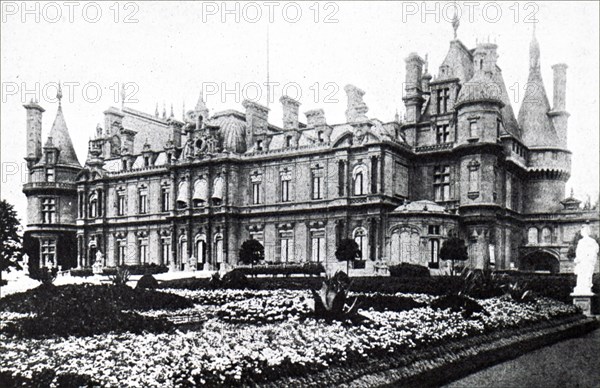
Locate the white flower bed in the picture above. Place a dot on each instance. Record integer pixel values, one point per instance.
(224, 352)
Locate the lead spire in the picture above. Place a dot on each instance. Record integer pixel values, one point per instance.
(59, 95)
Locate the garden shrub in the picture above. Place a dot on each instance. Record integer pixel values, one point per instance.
(147, 281)
(235, 279)
(312, 269)
(458, 303)
(45, 275)
(121, 276)
(483, 284)
(407, 270)
(82, 272)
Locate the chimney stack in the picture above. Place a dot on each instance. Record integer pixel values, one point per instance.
(559, 115)
(357, 108)
(256, 123)
(315, 118)
(290, 112)
(560, 86)
(34, 133)
(413, 99)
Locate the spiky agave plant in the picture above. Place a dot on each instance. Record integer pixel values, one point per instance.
(330, 299)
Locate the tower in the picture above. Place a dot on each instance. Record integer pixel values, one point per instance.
(544, 133)
(51, 192)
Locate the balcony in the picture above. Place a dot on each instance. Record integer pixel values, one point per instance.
(33, 186)
(434, 147)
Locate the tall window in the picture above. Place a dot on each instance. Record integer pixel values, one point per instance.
(165, 198)
(473, 176)
(121, 251)
(259, 145)
(143, 250)
(284, 250)
(256, 180)
(434, 249)
(256, 193)
(48, 210)
(442, 134)
(166, 250)
(288, 141)
(317, 246)
(286, 177)
(473, 129)
(120, 203)
(317, 182)
(50, 175)
(442, 101)
(81, 203)
(143, 201)
(219, 248)
(48, 252)
(359, 176)
(201, 249)
(532, 236)
(441, 182)
(93, 206)
(360, 237)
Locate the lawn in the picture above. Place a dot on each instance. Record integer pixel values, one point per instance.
(118, 336)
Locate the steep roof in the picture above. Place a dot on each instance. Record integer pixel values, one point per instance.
(537, 127)
(62, 140)
(458, 63)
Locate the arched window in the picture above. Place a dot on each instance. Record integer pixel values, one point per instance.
(182, 195)
(532, 236)
(359, 177)
(183, 253)
(218, 248)
(200, 248)
(434, 249)
(547, 235)
(93, 205)
(360, 237)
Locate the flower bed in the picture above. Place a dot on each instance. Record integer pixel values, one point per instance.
(244, 337)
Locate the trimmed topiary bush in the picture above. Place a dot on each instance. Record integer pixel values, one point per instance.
(45, 275)
(235, 279)
(147, 281)
(407, 270)
(83, 272)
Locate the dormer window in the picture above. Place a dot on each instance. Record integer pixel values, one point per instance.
(259, 145)
(124, 165)
(288, 141)
(146, 161)
(473, 129)
(320, 137)
(50, 158)
(442, 101)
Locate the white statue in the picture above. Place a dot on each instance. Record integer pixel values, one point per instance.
(586, 255)
(98, 264)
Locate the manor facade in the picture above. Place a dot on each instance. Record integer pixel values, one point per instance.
(187, 192)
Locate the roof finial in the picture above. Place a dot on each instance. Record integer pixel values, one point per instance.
(183, 111)
(172, 115)
(164, 115)
(156, 110)
(426, 63)
(59, 94)
(397, 116)
(455, 22)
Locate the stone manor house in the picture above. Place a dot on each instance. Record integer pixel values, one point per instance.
(186, 193)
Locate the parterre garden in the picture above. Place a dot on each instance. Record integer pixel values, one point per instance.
(250, 331)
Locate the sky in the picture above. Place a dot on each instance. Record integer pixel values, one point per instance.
(166, 52)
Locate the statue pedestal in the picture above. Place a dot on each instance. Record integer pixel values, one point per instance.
(583, 301)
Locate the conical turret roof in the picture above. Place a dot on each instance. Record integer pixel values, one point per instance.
(536, 125)
(61, 140)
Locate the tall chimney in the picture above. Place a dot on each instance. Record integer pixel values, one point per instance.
(256, 123)
(34, 133)
(290, 112)
(560, 86)
(412, 87)
(315, 118)
(559, 114)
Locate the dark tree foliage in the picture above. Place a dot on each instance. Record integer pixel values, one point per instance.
(347, 250)
(454, 249)
(10, 241)
(573, 245)
(251, 252)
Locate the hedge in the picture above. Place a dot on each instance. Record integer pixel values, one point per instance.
(406, 270)
(312, 269)
(140, 269)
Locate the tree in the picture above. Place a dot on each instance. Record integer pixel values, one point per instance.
(347, 250)
(575, 241)
(454, 249)
(10, 241)
(251, 252)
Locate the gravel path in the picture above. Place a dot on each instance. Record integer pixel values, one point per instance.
(571, 363)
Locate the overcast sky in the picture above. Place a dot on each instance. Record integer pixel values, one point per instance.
(164, 52)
